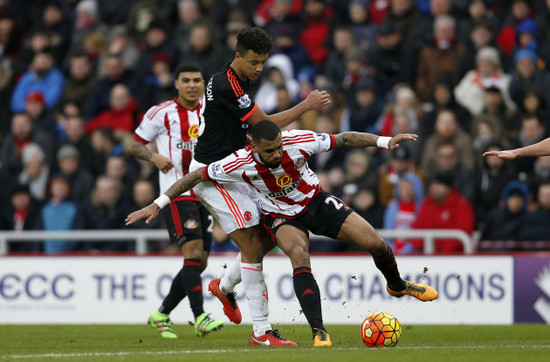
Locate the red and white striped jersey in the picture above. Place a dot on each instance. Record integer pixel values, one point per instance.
(282, 191)
(175, 130)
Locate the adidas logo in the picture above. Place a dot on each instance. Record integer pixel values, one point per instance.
(198, 288)
(307, 292)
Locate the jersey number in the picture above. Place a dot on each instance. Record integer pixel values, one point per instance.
(332, 200)
(210, 225)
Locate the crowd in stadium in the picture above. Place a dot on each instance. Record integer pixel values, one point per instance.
(76, 77)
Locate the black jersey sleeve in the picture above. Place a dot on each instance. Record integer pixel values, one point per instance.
(233, 98)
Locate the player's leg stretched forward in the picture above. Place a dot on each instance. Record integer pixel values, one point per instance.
(295, 243)
(187, 282)
(358, 231)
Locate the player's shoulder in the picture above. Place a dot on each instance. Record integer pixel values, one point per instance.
(160, 109)
(238, 160)
(297, 136)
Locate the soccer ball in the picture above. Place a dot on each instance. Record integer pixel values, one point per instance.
(380, 329)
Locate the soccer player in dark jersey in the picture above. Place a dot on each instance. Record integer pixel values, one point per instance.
(275, 168)
(227, 113)
(174, 126)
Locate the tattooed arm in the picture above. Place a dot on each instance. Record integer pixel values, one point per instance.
(184, 184)
(357, 139)
(139, 150)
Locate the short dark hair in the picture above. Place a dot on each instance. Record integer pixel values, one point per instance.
(265, 130)
(189, 67)
(255, 39)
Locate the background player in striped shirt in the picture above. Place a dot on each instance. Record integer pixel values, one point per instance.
(275, 168)
(174, 126)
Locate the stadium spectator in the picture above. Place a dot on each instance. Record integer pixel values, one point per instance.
(481, 35)
(404, 15)
(79, 82)
(444, 208)
(60, 213)
(423, 32)
(38, 41)
(56, 20)
(439, 58)
(479, 13)
(106, 210)
(504, 221)
(271, 13)
(507, 37)
(115, 73)
(487, 76)
(367, 205)
(159, 85)
(21, 213)
(391, 59)
(86, 22)
(22, 133)
(363, 28)
(490, 182)
(43, 120)
(335, 65)
(285, 41)
(401, 166)
(447, 130)
(359, 170)
(80, 179)
(403, 209)
(355, 69)
(279, 73)
(122, 116)
(406, 104)
(363, 109)
(532, 131)
(497, 105)
(486, 130)
(189, 12)
(36, 171)
(536, 225)
(204, 49)
(75, 136)
(42, 76)
(316, 31)
(104, 144)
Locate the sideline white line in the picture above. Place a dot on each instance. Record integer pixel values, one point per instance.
(211, 351)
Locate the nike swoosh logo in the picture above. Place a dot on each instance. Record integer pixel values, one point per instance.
(267, 342)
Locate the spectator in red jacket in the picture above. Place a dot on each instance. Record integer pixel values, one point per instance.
(444, 208)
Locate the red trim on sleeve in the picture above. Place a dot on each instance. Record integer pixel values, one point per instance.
(247, 116)
(332, 141)
(205, 174)
(140, 140)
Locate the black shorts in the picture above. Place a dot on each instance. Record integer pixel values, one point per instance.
(188, 220)
(325, 215)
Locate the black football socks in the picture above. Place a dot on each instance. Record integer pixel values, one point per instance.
(308, 294)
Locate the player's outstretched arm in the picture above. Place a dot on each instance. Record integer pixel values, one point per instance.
(184, 184)
(315, 100)
(357, 139)
(541, 148)
(139, 150)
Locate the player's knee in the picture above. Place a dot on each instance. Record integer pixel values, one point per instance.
(298, 254)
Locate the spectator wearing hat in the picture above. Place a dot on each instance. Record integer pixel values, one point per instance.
(391, 59)
(527, 77)
(22, 212)
(404, 15)
(487, 74)
(80, 179)
(364, 108)
(439, 58)
(403, 209)
(35, 106)
(444, 208)
(80, 81)
(490, 181)
(42, 76)
(36, 171)
(115, 73)
(504, 221)
(401, 166)
(59, 213)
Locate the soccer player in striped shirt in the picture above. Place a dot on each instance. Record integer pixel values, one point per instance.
(174, 126)
(292, 202)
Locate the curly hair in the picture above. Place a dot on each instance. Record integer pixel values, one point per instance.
(255, 39)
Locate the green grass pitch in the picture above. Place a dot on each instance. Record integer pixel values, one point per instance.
(520, 342)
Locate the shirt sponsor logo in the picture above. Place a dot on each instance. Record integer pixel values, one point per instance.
(285, 191)
(283, 180)
(244, 101)
(193, 131)
(190, 145)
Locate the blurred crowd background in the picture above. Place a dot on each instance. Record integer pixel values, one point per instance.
(467, 76)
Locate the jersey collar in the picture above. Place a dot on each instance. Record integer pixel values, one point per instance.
(179, 105)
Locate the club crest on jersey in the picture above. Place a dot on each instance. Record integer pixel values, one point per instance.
(191, 224)
(248, 216)
(283, 180)
(244, 101)
(300, 163)
(193, 131)
(278, 221)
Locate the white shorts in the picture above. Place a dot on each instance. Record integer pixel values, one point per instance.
(234, 204)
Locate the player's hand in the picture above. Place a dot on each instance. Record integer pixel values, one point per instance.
(318, 99)
(150, 212)
(400, 137)
(507, 154)
(162, 162)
